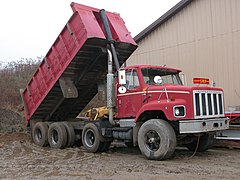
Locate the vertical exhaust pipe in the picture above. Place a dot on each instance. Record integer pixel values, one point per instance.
(109, 37)
(111, 54)
(110, 88)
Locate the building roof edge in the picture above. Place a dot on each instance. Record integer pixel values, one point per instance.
(170, 13)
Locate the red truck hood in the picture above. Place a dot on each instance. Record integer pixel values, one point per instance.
(175, 95)
(176, 88)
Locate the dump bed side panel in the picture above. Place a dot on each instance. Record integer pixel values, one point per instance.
(67, 78)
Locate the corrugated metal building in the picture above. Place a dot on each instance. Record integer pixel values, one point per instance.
(201, 37)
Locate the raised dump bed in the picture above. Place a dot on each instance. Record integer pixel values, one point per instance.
(66, 80)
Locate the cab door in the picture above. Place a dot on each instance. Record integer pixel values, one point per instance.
(129, 96)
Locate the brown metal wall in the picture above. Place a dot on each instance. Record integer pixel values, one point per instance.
(203, 40)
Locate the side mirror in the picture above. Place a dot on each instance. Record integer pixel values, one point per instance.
(183, 78)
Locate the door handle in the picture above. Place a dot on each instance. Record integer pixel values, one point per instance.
(146, 98)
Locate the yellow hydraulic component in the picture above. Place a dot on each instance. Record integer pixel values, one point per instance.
(97, 113)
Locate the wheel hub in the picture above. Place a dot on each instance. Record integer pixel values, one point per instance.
(152, 140)
(38, 135)
(89, 138)
(54, 137)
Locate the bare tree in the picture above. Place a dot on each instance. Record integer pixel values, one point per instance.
(13, 76)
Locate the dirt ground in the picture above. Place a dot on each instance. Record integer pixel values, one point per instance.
(21, 159)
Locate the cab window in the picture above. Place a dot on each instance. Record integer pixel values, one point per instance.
(132, 79)
(167, 76)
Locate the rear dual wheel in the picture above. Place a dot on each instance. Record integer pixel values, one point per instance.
(70, 134)
(61, 135)
(57, 135)
(40, 134)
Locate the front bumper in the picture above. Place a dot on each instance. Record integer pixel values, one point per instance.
(203, 125)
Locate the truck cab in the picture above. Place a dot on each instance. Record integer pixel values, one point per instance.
(156, 93)
(160, 89)
(143, 83)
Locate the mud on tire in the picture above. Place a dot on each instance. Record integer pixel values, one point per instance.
(57, 135)
(157, 139)
(40, 134)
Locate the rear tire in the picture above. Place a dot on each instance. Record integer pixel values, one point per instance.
(157, 139)
(91, 138)
(57, 135)
(70, 134)
(205, 142)
(40, 134)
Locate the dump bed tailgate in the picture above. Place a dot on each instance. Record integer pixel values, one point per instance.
(66, 80)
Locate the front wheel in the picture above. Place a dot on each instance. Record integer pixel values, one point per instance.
(157, 139)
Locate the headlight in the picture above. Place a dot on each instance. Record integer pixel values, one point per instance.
(179, 111)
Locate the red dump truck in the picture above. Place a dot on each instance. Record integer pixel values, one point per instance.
(146, 106)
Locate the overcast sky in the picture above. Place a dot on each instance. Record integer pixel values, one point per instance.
(29, 27)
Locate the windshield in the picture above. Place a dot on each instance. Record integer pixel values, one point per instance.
(167, 76)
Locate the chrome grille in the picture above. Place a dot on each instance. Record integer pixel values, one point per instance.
(208, 103)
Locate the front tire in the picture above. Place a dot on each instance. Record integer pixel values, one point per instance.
(157, 139)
